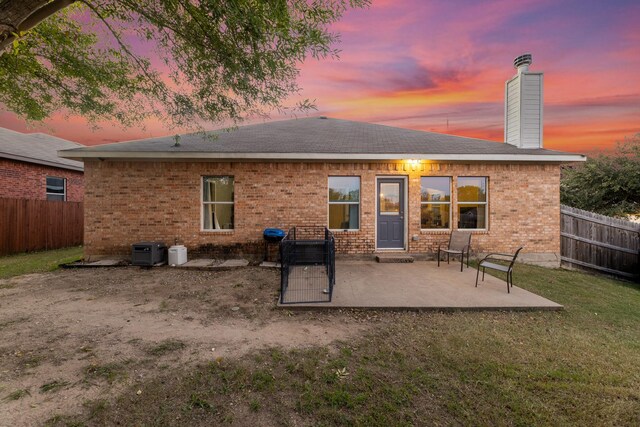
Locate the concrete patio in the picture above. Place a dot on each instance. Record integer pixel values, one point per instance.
(424, 286)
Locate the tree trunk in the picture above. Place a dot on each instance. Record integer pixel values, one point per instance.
(21, 15)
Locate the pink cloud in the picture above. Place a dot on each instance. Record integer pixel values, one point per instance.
(422, 65)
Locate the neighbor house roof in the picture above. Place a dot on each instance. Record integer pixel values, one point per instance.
(37, 148)
(318, 139)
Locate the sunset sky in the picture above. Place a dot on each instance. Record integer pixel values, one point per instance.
(441, 66)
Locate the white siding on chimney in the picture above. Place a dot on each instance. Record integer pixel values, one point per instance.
(531, 127)
(512, 113)
(523, 110)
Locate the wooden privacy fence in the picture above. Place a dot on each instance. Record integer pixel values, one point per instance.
(33, 225)
(607, 244)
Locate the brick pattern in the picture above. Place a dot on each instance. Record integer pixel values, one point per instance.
(22, 180)
(127, 202)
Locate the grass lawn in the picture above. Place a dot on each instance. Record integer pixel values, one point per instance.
(37, 262)
(574, 367)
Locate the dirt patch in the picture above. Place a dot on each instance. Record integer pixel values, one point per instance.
(75, 336)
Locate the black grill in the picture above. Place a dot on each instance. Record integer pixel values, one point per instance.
(272, 236)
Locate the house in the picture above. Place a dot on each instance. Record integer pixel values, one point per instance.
(31, 169)
(379, 188)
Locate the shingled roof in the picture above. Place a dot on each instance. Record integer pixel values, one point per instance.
(320, 138)
(37, 148)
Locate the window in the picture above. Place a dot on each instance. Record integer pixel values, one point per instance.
(344, 202)
(217, 203)
(389, 198)
(435, 199)
(56, 188)
(472, 202)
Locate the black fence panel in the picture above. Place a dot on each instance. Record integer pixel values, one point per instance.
(307, 257)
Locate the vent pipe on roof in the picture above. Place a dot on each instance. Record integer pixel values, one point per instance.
(522, 62)
(523, 106)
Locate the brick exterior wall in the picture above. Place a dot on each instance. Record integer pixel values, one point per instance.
(127, 202)
(22, 180)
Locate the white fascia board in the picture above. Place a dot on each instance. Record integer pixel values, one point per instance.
(167, 156)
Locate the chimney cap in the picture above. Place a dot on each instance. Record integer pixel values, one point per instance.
(523, 60)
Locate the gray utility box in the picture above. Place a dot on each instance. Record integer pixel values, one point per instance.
(148, 253)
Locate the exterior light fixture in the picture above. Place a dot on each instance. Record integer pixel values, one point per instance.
(414, 163)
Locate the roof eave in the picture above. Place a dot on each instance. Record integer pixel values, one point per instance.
(42, 162)
(168, 155)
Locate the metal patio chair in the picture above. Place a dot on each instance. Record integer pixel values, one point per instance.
(487, 263)
(459, 244)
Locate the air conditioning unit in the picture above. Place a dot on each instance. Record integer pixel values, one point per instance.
(148, 253)
(177, 255)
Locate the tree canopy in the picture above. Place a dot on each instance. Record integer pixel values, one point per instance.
(606, 184)
(213, 61)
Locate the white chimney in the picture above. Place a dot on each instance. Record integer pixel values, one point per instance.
(523, 106)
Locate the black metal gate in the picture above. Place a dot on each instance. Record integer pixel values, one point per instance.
(307, 257)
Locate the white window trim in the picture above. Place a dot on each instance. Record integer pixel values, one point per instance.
(345, 203)
(64, 187)
(485, 203)
(450, 203)
(202, 203)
